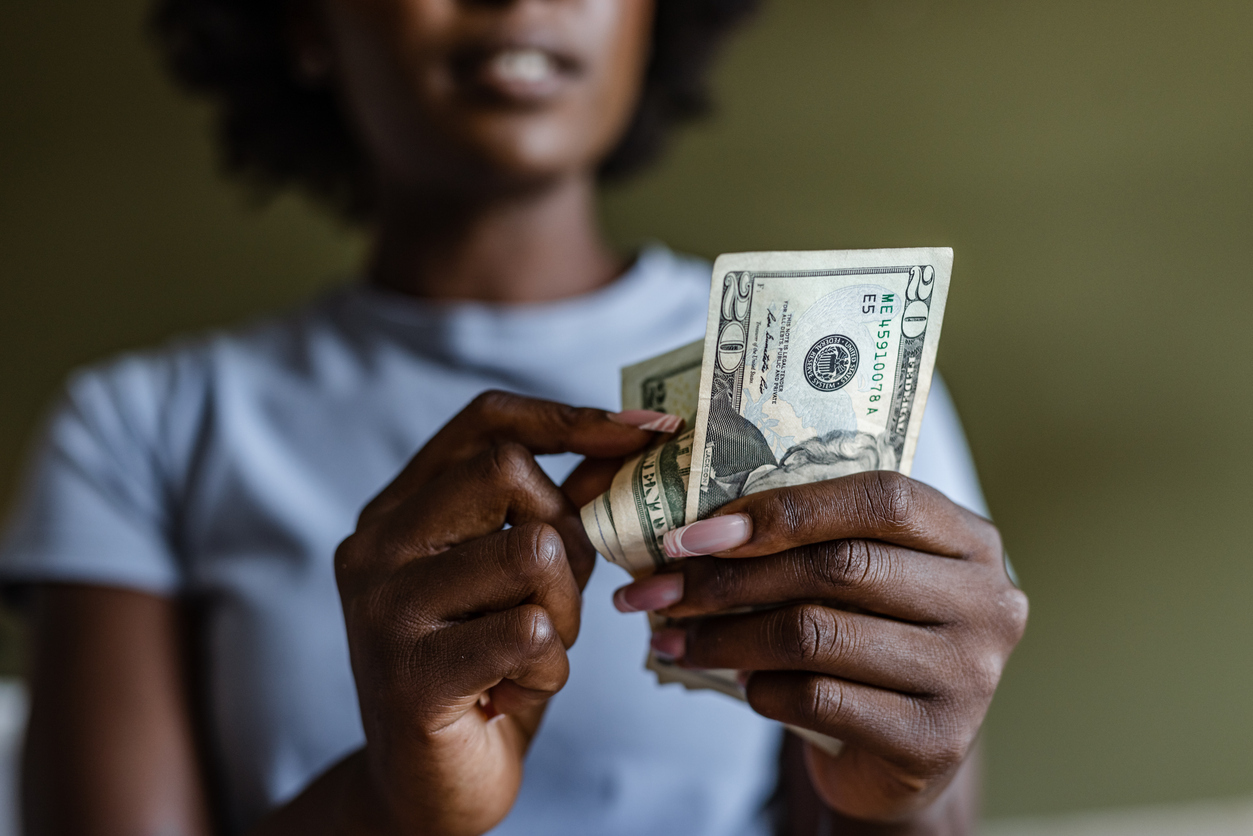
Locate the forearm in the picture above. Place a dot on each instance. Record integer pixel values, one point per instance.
(110, 748)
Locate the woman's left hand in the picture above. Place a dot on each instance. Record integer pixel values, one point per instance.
(892, 620)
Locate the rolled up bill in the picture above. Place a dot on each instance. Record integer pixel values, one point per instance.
(649, 494)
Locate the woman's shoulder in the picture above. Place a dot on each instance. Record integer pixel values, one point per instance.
(189, 363)
(107, 477)
(153, 405)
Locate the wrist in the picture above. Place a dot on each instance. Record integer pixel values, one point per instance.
(370, 806)
(953, 812)
(362, 810)
(339, 802)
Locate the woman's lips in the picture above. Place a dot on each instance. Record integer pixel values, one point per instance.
(521, 66)
(521, 74)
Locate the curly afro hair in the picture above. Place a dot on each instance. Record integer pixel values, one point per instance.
(277, 132)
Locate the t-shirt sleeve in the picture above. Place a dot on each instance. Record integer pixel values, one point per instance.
(94, 506)
(943, 458)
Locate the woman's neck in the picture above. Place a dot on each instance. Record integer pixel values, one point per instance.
(532, 246)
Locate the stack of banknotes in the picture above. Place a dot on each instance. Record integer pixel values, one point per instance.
(815, 365)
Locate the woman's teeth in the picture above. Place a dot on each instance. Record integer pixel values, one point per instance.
(523, 66)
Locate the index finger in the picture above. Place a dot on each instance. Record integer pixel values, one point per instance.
(875, 505)
(542, 427)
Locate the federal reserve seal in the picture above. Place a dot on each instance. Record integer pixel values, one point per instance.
(831, 363)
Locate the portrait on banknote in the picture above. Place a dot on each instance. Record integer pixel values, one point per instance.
(744, 462)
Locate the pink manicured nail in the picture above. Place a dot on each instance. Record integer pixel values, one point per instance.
(647, 419)
(708, 536)
(669, 643)
(652, 593)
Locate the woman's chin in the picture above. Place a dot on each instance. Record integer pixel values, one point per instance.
(520, 150)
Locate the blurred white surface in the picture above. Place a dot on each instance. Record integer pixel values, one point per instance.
(12, 721)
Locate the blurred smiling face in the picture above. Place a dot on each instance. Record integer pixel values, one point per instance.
(441, 91)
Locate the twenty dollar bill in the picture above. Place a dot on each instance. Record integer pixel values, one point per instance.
(817, 365)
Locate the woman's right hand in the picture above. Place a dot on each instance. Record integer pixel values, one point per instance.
(457, 626)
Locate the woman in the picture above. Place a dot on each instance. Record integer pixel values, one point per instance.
(192, 672)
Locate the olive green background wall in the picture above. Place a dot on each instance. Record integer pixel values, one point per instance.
(1092, 165)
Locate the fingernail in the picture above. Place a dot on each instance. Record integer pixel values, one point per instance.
(647, 419)
(652, 593)
(669, 643)
(708, 536)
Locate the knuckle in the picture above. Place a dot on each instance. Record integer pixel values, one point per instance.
(564, 416)
(398, 608)
(821, 703)
(840, 564)
(808, 633)
(375, 508)
(892, 497)
(968, 671)
(534, 552)
(785, 513)
(1016, 608)
(491, 403)
(509, 462)
(981, 673)
(533, 632)
(346, 562)
(359, 566)
(943, 745)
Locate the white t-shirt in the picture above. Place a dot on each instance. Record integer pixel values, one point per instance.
(227, 469)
